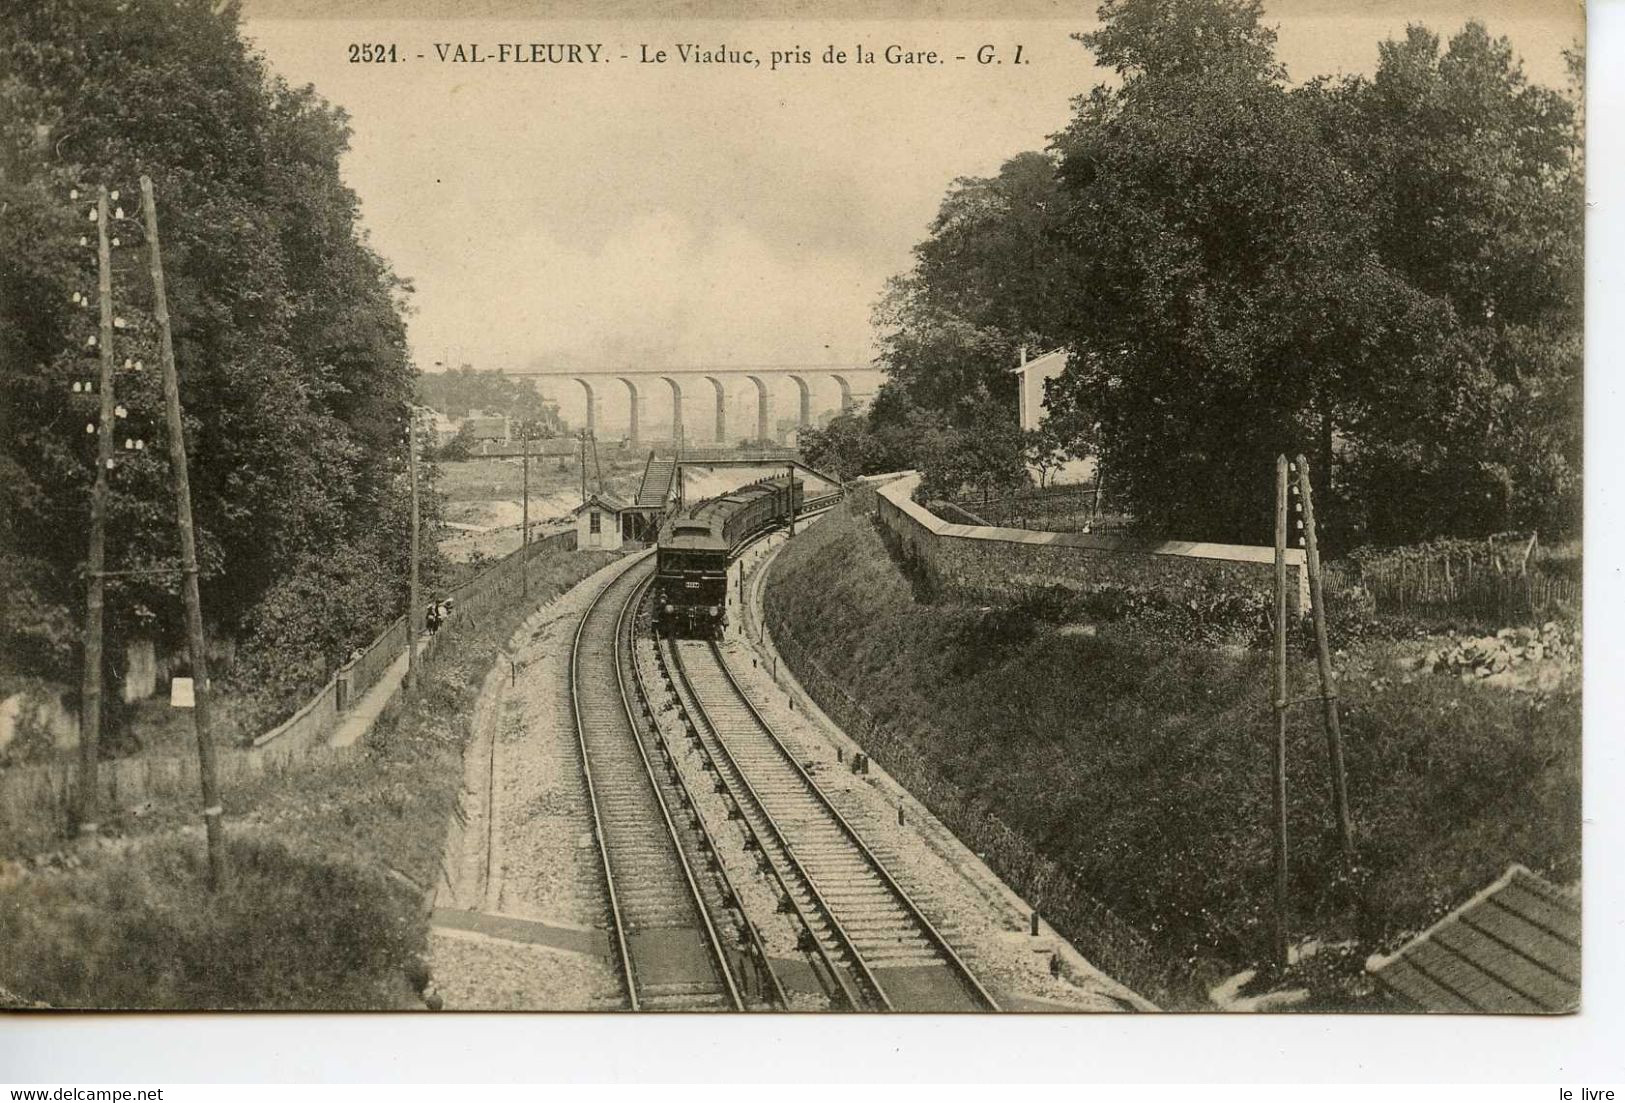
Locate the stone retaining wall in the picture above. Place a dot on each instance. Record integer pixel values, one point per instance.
(986, 562)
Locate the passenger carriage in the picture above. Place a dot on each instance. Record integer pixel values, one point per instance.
(698, 544)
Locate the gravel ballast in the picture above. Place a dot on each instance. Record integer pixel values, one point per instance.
(982, 918)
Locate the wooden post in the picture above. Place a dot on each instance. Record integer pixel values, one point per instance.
(414, 596)
(524, 526)
(1323, 656)
(203, 692)
(1278, 764)
(90, 703)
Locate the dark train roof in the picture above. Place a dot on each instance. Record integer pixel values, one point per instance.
(700, 525)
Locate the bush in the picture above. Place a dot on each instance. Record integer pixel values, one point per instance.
(142, 930)
(325, 909)
(1139, 760)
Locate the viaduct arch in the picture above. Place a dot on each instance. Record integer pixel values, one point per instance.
(632, 416)
(635, 379)
(676, 407)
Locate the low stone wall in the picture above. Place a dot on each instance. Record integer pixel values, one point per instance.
(311, 724)
(982, 561)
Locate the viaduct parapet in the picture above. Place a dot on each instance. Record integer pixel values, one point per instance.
(848, 379)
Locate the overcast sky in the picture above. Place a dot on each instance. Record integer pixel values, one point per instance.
(621, 214)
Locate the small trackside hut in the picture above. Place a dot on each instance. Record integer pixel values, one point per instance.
(603, 521)
(698, 545)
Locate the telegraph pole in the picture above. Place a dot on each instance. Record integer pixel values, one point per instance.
(1278, 666)
(524, 524)
(791, 496)
(203, 692)
(583, 466)
(1323, 656)
(90, 709)
(413, 596)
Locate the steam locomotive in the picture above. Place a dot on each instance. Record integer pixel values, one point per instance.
(696, 546)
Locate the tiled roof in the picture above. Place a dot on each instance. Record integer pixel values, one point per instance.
(605, 501)
(1514, 947)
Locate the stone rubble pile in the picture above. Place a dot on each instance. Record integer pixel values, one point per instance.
(1476, 657)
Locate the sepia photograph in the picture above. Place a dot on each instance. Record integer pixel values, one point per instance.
(954, 508)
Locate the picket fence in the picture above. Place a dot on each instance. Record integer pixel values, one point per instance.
(1497, 580)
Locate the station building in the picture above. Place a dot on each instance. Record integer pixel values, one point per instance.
(603, 522)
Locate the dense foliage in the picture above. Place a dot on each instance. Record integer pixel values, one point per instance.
(288, 337)
(1116, 740)
(1381, 273)
(460, 391)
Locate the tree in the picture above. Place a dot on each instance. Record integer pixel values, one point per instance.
(288, 332)
(1045, 450)
(1254, 269)
(982, 457)
(1479, 199)
(461, 391)
(979, 290)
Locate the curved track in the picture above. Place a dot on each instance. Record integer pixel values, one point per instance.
(670, 954)
(883, 952)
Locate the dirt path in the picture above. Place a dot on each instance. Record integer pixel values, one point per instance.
(522, 903)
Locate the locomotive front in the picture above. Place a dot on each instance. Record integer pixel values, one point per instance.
(691, 580)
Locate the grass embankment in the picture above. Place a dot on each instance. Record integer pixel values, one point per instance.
(1143, 765)
(330, 868)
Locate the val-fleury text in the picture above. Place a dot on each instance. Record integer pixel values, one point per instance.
(521, 53)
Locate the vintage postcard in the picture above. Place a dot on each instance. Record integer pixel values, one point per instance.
(808, 507)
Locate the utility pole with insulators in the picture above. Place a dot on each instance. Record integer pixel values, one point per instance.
(583, 467)
(791, 495)
(524, 522)
(1280, 703)
(414, 596)
(90, 710)
(213, 812)
(1328, 682)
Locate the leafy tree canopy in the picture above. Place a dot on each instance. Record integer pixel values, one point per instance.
(1382, 273)
(460, 391)
(288, 336)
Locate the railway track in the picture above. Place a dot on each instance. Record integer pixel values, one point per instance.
(878, 948)
(670, 953)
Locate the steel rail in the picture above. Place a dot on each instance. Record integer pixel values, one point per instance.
(753, 936)
(848, 943)
(836, 971)
(621, 623)
(967, 977)
(617, 920)
(625, 956)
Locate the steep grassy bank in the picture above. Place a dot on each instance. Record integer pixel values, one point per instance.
(1143, 766)
(330, 868)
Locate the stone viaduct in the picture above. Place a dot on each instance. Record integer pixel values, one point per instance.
(866, 376)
